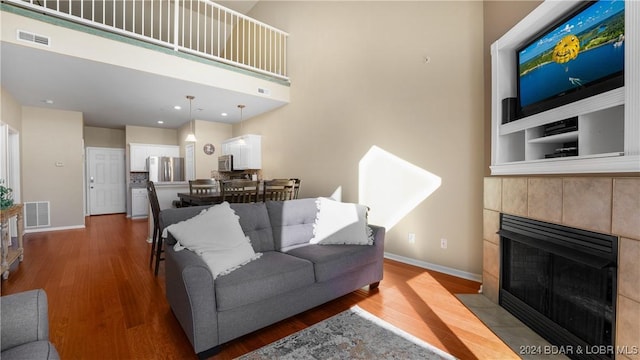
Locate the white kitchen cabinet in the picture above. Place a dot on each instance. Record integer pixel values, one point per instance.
(246, 151)
(139, 202)
(138, 154)
(138, 157)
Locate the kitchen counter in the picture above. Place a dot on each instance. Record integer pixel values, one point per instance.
(167, 184)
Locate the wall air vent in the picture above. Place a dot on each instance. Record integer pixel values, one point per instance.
(33, 38)
(36, 214)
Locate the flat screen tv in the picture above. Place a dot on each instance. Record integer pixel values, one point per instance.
(577, 57)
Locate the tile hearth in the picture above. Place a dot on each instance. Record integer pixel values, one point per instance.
(522, 340)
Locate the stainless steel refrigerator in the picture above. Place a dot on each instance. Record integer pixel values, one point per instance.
(165, 169)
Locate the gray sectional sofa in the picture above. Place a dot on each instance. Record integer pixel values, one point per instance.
(24, 325)
(290, 277)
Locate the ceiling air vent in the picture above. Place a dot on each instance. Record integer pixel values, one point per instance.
(33, 38)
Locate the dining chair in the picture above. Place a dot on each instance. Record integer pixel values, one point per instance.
(239, 191)
(156, 237)
(296, 188)
(278, 190)
(202, 186)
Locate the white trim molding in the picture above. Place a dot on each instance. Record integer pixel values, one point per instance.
(434, 267)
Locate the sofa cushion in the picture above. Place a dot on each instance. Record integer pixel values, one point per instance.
(273, 274)
(41, 349)
(216, 235)
(175, 215)
(207, 230)
(292, 222)
(341, 223)
(255, 223)
(331, 261)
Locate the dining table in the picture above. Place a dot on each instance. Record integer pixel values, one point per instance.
(187, 199)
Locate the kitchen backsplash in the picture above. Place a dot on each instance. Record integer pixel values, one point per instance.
(138, 177)
(215, 174)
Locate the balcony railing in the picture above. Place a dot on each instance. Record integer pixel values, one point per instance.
(199, 27)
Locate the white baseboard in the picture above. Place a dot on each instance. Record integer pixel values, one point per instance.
(44, 229)
(434, 267)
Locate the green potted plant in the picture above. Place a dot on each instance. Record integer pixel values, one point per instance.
(6, 196)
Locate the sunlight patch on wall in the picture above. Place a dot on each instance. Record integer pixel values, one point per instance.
(392, 187)
(337, 195)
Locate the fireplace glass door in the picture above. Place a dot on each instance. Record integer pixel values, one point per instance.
(560, 282)
(575, 296)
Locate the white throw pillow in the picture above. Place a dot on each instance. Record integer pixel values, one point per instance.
(341, 223)
(216, 235)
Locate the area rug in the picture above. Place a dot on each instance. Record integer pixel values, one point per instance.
(352, 334)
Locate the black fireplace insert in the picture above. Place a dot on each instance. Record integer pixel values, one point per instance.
(561, 282)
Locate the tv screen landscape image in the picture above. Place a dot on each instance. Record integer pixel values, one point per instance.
(580, 56)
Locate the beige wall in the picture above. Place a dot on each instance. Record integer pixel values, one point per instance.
(104, 137)
(150, 135)
(50, 137)
(10, 110)
(11, 115)
(363, 81)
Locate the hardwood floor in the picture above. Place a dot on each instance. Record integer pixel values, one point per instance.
(105, 303)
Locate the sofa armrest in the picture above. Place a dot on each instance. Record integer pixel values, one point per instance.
(379, 233)
(24, 318)
(191, 294)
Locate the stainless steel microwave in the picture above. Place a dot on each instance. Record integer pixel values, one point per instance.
(225, 163)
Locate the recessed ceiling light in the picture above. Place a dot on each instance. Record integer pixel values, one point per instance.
(177, 107)
(224, 114)
(48, 101)
(160, 122)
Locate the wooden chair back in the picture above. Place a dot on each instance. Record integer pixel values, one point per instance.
(278, 190)
(239, 191)
(202, 186)
(156, 238)
(153, 200)
(296, 187)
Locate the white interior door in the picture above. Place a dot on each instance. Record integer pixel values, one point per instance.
(4, 155)
(106, 181)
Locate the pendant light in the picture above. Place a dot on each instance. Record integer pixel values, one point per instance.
(241, 141)
(191, 137)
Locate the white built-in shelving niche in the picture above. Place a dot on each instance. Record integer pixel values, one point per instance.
(608, 124)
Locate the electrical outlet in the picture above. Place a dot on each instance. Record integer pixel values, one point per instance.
(412, 238)
(443, 243)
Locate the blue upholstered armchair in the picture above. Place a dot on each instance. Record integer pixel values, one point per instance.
(24, 326)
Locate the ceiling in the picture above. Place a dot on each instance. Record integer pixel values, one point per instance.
(113, 96)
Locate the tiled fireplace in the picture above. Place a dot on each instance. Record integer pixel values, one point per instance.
(608, 205)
